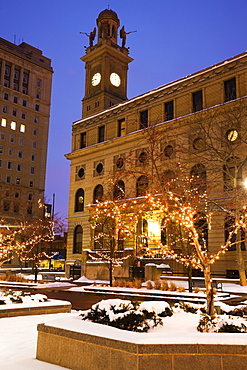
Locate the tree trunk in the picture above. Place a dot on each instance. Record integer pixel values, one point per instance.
(110, 272)
(189, 273)
(209, 292)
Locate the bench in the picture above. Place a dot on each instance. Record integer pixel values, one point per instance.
(201, 284)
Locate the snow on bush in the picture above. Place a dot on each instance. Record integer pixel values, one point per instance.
(10, 297)
(223, 323)
(127, 315)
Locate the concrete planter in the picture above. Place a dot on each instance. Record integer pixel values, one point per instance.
(49, 307)
(80, 351)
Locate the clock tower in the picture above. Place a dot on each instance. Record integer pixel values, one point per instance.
(106, 65)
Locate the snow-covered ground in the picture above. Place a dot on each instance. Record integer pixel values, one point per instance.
(18, 336)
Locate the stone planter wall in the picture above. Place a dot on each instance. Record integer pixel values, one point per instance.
(43, 309)
(80, 351)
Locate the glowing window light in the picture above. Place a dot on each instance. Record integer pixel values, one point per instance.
(22, 128)
(13, 125)
(4, 122)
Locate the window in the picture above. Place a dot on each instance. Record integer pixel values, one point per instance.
(6, 83)
(77, 242)
(120, 163)
(32, 170)
(83, 137)
(29, 209)
(9, 165)
(14, 112)
(11, 152)
(15, 100)
(1, 149)
(25, 78)
(169, 111)
(37, 107)
(39, 82)
(38, 95)
(36, 119)
(16, 208)
(1, 163)
(21, 141)
(16, 87)
(20, 154)
(230, 89)
(12, 138)
(197, 101)
(16, 74)
(99, 168)
(31, 184)
(24, 103)
(119, 190)
(101, 134)
(7, 71)
(142, 158)
(98, 193)
(5, 109)
(3, 122)
(98, 237)
(34, 144)
(19, 167)
(30, 196)
(142, 235)
(6, 96)
(168, 151)
(6, 206)
(2, 135)
(8, 179)
(141, 186)
(13, 125)
(22, 127)
(198, 178)
(33, 157)
(17, 194)
(168, 180)
(144, 119)
(79, 200)
(23, 115)
(18, 181)
(232, 174)
(229, 226)
(121, 127)
(24, 90)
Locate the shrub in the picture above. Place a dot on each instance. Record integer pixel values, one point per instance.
(220, 325)
(137, 283)
(172, 287)
(129, 284)
(181, 289)
(127, 315)
(149, 284)
(157, 285)
(164, 285)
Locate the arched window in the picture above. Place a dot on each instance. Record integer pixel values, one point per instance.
(232, 173)
(119, 190)
(98, 237)
(79, 200)
(168, 179)
(98, 193)
(229, 224)
(198, 178)
(77, 243)
(141, 186)
(201, 224)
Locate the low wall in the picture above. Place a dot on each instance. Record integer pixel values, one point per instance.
(80, 351)
(49, 307)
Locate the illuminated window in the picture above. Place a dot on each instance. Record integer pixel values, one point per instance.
(4, 122)
(13, 125)
(22, 127)
(31, 184)
(79, 200)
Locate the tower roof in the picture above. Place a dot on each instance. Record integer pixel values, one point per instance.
(108, 13)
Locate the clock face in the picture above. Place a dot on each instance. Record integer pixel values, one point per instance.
(115, 79)
(96, 79)
(232, 135)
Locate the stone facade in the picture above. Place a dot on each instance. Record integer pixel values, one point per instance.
(181, 110)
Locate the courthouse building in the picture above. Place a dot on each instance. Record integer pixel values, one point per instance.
(111, 129)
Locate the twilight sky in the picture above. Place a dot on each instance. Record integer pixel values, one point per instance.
(174, 38)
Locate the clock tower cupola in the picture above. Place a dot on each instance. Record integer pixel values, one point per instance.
(106, 65)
